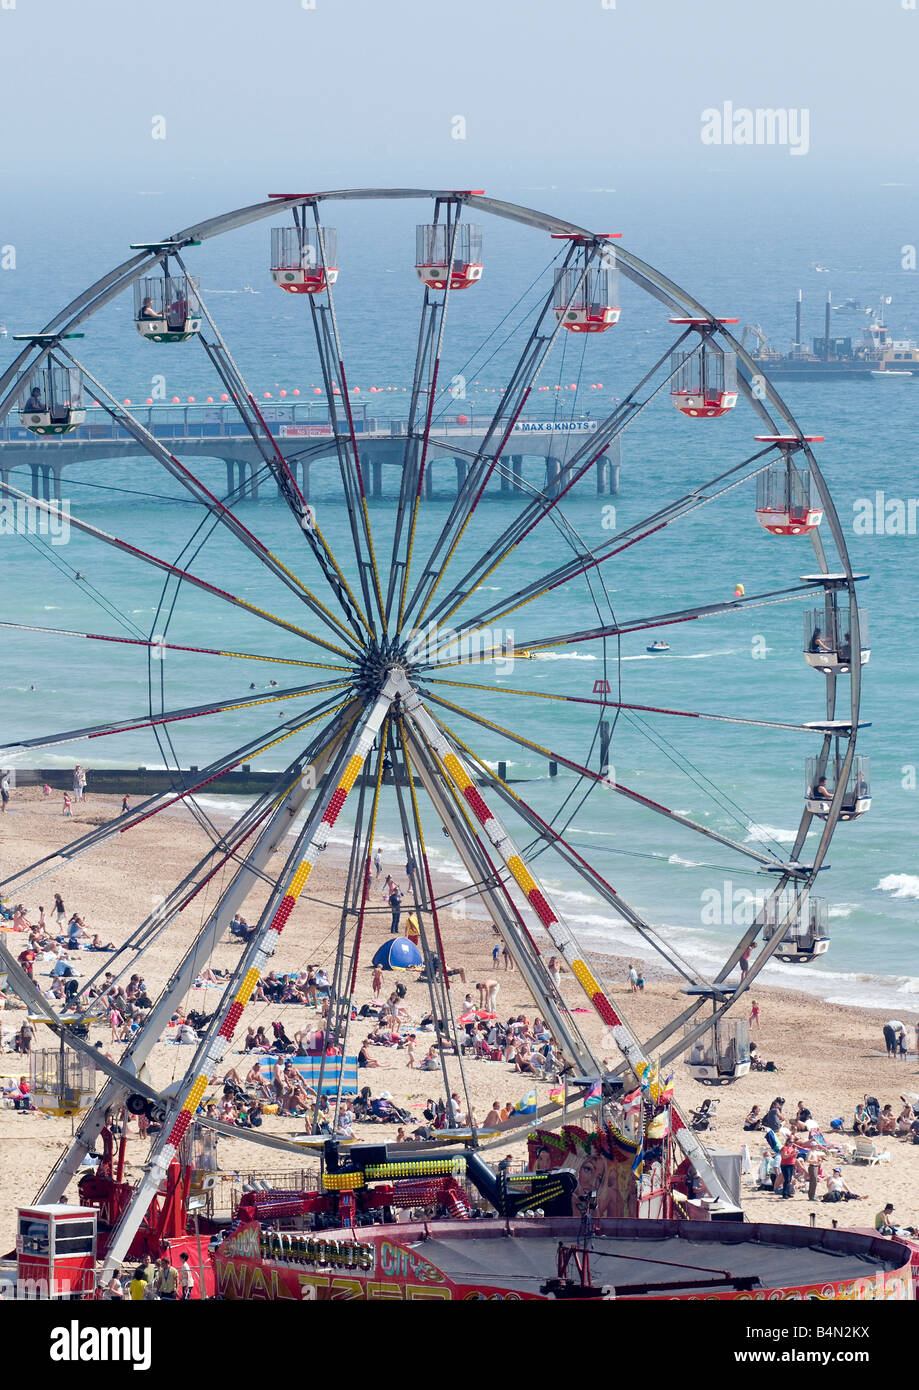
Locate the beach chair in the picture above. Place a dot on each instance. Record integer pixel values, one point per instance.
(866, 1151)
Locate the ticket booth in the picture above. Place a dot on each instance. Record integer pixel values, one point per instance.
(56, 1251)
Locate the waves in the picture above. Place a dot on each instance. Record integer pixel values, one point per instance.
(762, 834)
(899, 885)
(564, 656)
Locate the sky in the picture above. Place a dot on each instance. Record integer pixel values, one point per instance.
(471, 93)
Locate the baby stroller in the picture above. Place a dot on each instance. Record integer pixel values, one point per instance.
(704, 1117)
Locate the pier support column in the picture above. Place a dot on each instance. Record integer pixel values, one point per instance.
(377, 478)
(613, 458)
(462, 470)
(236, 476)
(252, 481)
(428, 481)
(305, 480)
(36, 471)
(517, 467)
(552, 475)
(505, 479)
(56, 481)
(602, 476)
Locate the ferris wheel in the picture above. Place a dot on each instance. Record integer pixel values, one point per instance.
(384, 640)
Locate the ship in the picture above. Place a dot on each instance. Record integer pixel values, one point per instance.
(834, 358)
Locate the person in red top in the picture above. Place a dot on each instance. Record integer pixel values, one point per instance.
(22, 1102)
(788, 1158)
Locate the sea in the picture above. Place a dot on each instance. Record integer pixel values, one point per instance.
(744, 253)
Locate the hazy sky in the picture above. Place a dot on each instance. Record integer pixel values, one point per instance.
(281, 97)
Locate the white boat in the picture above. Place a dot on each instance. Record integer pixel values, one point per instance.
(658, 647)
(891, 372)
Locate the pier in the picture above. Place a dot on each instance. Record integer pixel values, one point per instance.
(536, 459)
(152, 781)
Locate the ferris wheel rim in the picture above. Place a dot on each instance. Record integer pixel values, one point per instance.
(641, 274)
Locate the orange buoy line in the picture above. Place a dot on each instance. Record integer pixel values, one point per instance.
(294, 394)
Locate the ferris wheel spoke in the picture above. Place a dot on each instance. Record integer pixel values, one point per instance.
(251, 871)
(217, 509)
(160, 801)
(620, 704)
(172, 646)
(145, 721)
(522, 380)
(424, 379)
(583, 564)
(583, 459)
(482, 865)
(310, 841)
(576, 861)
(585, 772)
(503, 651)
(276, 462)
(171, 569)
(535, 894)
(331, 362)
(424, 900)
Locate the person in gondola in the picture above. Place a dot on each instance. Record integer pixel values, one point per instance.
(177, 311)
(147, 310)
(818, 642)
(34, 403)
(821, 790)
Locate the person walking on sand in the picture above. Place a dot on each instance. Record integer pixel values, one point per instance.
(4, 791)
(377, 862)
(377, 981)
(68, 814)
(395, 907)
(633, 980)
(754, 1014)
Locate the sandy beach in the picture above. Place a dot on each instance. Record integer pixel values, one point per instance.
(827, 1055)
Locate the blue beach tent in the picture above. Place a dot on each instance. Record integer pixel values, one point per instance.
(398, 953)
